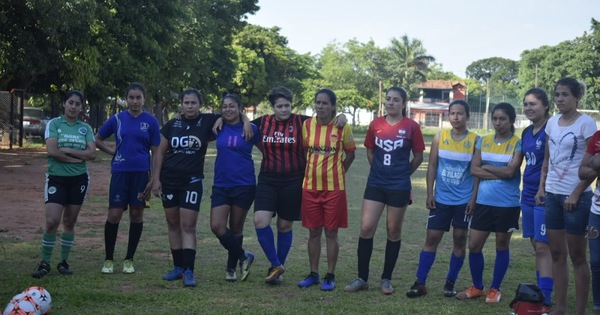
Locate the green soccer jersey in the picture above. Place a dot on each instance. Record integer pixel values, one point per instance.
(74, 136)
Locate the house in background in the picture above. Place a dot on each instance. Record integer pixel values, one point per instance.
(434, 98)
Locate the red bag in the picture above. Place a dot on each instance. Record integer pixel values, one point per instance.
(527, 308)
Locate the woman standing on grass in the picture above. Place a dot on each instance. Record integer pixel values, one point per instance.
(449, 169)
(566, 197)
(70, 143)
(496, 165)
(389, 142)
(234, 186)
(136, 135)
(324, 201)
(180, 163)
(536, 107)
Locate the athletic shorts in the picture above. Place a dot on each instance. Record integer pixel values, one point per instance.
(188, 196)
(324, 208)
(125, 188)
(442, 216)
(495, 219)
(241, 196)
(393, 198)
(280, 195)
(66, 190)
(532, 219)
(573, 222)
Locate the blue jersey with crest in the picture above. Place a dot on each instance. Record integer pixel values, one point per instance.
(454, 181)
(534, 146)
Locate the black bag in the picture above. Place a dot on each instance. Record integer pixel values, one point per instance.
(529, 299)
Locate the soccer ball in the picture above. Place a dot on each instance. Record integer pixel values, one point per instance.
(22, 304)
(41, 297)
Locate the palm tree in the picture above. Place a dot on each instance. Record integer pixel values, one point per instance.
(408, 62)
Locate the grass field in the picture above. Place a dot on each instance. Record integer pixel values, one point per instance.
(90, 292)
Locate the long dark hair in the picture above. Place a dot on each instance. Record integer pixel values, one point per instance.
(508, 110)
(402, 94)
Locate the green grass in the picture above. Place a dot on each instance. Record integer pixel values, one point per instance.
(90, 292)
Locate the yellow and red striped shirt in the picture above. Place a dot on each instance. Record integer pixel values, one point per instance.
(324, 162)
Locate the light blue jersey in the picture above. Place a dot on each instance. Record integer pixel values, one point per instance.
(454, 181)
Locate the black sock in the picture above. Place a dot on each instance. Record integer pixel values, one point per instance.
(235, 251)
(189, 258)
(364, 251)
(135, 233)
(110, 239)
(177, 257)
(392, 250)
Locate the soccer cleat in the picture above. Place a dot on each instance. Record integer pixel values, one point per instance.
(449, 290)
(128, 266)
(417, 290)
(63, 268)
(386, 287)
(328, 283)
(42, 270)
(176, 273)
(230, 275)
(188, 278)
(246, 264)
(356, 285)
(310, 280)
(107, 268)
(493, 296)
(471, 293)
(274, 273)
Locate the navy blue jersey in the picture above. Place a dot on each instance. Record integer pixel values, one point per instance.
(534, 146)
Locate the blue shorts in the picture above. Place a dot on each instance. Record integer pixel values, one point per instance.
(241, 196)
(392, 198)
(532, 219)
(66, 190)
(443, 215)
(573, 222)
(188, 196)
(495, 219)
(124, 189)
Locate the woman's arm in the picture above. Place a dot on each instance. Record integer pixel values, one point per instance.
(476, 168)
(157, 161)
(103, 146)
(348, 160)
(56, 153)
(508, 171)
(87, 155)
(432, 171)
(416, 161)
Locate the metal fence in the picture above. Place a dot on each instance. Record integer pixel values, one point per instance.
(11, 105)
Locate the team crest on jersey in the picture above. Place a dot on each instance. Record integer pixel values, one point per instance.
(333, 138)
(144, 126)
(486, 145)
(468, 144)
(402, 132)
(447, 142)
(82, 131)
(58, 130)
(538, 144)
(177, 124)
(291, 129)
(509, 148)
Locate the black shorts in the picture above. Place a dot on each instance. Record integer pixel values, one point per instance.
(187, 196)
(393, 198)
(66, 190)
(280, 195)
(495, 219)
(241, 196)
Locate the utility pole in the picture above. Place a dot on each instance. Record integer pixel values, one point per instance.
(536, 75)
(487, 102)
(380, 109)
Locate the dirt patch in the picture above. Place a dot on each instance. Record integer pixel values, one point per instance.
(22, 180)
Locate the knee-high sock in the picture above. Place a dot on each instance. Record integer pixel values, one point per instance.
(392, 250)
(500, 267)
(177, 257)
(110, 239)
(546, 284)
(426, 260)
(189, 258)
(266, 239)
(284, 245)
(477, 263)
(233, 247)
(66, 244)
(48, 241)
(456, 264)
(364, 251)
(135, 233)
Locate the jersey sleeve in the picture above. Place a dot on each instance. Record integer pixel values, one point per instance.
(369, 137)
(89, 137)
(52, 129)
(305, 134)
(478, 143)
(519, 146)
(257, 137)
(348, 139)
(589, 127)
(155, 133)
(418, 144)
(591, 149)
(107, 128)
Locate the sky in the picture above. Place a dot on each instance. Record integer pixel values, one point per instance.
(456, 33)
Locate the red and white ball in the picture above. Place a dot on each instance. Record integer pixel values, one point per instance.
(22, 304)
(41, 297)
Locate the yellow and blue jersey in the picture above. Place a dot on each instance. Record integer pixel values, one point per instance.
(454, 181)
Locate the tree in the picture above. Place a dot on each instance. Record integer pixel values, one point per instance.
(408, 64)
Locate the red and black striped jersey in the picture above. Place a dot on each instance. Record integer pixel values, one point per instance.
(283, 155)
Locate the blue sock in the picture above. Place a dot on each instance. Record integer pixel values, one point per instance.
(456, 264)
(546, 284)
(284, 244)
(476, 262)
(267, 242)
(500, 267)
(426, 260)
